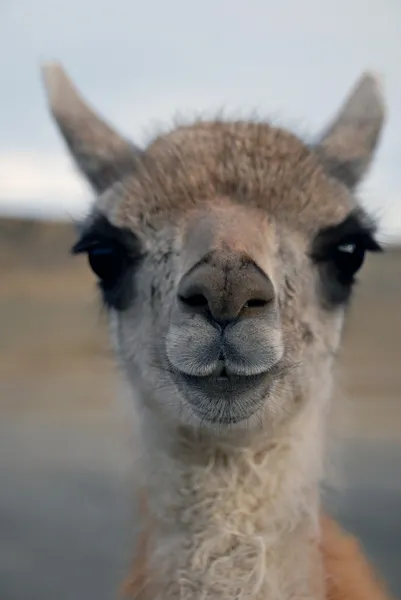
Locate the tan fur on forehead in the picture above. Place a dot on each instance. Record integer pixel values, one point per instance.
(250, 163)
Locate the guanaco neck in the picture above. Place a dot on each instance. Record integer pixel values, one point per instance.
(232, 521)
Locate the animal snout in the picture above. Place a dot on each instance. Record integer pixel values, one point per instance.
(225, 288)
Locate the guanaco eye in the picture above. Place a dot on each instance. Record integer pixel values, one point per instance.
(347, 259)
(339, 252)
(113, 254)
(108, 262)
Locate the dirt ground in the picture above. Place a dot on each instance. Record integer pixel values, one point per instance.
(67, 519)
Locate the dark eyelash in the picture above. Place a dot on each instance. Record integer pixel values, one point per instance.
(362, 239)
(355, 229)
(86, 243)
(102, 232)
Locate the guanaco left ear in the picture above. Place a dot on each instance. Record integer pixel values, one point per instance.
(347, 147)
(102, 154)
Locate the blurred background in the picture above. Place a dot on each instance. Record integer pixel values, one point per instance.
(66, 509)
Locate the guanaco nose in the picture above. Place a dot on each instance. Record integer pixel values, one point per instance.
(225, 287)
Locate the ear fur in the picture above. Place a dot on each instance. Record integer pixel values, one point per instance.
(101, 153)
(347, 146)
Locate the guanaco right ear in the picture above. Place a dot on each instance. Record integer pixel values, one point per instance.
(347, 147)
(102, 155)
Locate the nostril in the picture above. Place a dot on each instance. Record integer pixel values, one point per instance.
(256, 303)
(194, 300)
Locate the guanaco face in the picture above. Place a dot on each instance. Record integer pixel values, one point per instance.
(226, 253)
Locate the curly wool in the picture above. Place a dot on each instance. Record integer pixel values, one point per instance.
(235, 522)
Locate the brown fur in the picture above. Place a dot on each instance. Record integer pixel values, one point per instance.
(255, 164)
(138, 584)
(349, 576)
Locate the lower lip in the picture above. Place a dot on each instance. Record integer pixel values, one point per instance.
(235, 390)
(226, 400)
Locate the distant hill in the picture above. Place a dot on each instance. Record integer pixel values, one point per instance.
(34, 242)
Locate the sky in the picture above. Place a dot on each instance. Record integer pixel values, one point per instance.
(142, 63)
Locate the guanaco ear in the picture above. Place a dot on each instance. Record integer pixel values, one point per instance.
(347, 147)
(102, 155)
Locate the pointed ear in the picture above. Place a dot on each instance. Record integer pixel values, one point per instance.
(347, 147)
(101, 153)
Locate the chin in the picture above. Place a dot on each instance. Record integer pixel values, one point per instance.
(225, 401)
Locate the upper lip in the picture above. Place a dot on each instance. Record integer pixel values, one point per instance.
(219, 373)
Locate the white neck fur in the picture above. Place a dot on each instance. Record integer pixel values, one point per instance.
(235, 521)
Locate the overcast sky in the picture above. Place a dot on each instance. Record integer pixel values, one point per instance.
(142, 62)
